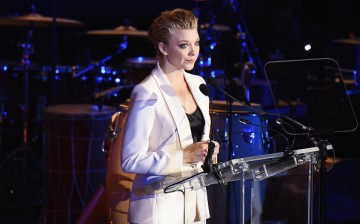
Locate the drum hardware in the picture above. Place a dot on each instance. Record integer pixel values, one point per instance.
(118, 184)
(209, 61)
(31, 20)
(110, 91)
(22, 153)
(122, 47)
(247, 75)
(28, 49)
(34, 20)
(246, 43)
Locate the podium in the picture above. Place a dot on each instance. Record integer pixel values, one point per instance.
(254, 168)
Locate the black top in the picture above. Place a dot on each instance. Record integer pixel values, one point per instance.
(197, 123)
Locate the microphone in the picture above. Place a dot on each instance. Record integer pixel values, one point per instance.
(204, 89)
(303, 127)
(207, 167)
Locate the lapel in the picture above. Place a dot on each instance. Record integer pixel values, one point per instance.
(201, 100)
(174, 106)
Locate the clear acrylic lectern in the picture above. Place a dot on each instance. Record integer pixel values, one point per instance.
(255, 168)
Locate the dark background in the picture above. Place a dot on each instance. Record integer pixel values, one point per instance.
(273, 30)
(273, 26)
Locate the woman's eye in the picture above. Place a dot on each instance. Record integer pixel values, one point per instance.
(183, 46)
(197, 43)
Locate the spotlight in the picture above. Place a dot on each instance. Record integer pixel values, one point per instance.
(307, 47)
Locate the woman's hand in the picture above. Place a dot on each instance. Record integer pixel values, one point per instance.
(197, 152)
(216, 152)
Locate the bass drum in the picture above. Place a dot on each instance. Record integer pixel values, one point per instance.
(246, 128)
(118, 184)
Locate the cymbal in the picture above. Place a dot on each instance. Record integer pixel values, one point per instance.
(120, 30)
(348, 41)
(35, 19)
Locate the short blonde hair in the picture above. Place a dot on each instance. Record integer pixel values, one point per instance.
(161, 28)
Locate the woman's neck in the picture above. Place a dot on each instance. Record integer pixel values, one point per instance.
(172, 72)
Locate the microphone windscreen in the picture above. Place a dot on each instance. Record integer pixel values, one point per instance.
(204, 89)
(212, 81)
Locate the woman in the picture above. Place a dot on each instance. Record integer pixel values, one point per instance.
(168, 126)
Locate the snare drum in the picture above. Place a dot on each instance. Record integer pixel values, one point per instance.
(118, 183)
(74, 163)
(136, 69)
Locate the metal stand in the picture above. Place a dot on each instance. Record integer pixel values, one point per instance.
(242, 195)
(310, 200)
(123, 45)
(25, 62)
(322, 183)
(322, 155)
(22, 155)
(245, 38)
(1, 125)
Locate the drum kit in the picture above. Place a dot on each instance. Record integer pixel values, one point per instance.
(70, 185)
(74, 124)
(62, 83)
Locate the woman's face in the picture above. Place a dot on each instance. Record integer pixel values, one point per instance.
(183, 48)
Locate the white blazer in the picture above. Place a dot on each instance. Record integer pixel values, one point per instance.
(156, 131)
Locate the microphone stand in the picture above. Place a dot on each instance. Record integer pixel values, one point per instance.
(322, 145)
(208, 167)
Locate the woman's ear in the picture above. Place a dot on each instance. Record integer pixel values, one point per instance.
(162, 48)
